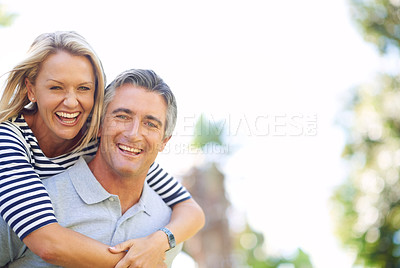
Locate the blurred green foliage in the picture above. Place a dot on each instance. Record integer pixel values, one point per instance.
(367, 205)
(207, 132)
(6, 18)
(379, 21)
(250, 245)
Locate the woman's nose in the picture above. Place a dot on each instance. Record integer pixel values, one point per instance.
(71, 100)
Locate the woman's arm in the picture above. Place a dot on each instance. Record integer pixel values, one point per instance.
(187, 216)
(21, 187)
(64, 247)
(186, 220)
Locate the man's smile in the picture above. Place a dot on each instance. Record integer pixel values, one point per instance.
(129, 149)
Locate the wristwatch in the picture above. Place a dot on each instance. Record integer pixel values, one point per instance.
(170, 236)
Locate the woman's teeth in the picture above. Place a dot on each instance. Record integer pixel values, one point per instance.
(68, 117)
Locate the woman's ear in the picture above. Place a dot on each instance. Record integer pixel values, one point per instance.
(30, 90)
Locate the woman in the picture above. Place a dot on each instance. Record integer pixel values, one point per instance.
(50, 113)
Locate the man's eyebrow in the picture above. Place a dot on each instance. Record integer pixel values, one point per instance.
(151, 117)
(124, 110)
(128, 111)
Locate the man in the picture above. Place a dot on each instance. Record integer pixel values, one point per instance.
(108, 199)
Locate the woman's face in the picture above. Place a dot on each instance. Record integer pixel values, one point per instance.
(64, 93)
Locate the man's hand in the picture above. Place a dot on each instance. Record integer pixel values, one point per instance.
(145, 252)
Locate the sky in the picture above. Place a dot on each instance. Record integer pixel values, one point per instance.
(275, 73)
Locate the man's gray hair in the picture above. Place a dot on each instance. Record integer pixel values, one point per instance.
(150, 81)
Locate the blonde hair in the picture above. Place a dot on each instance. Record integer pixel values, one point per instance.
(15, 96)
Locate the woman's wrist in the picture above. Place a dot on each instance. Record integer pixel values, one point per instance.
(170, 237)
(161, 239)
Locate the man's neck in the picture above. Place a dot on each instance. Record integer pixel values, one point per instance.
(128, 189)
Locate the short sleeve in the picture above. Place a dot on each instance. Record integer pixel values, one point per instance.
(24, 202)
(166, 186)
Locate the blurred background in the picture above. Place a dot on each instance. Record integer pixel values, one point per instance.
(288, 129)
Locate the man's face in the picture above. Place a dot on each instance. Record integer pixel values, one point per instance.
(132, 131)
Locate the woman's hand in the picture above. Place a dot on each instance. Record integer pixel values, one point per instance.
(146, 252)
(186, 220)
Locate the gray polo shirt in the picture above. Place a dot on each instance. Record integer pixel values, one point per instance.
(83, 205)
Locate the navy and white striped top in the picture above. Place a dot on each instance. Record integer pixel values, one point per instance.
(24, 202)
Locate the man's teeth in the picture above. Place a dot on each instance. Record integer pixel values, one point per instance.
(67, 115)
(129, 149)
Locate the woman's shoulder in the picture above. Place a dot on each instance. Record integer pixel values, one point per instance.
(17, 121)
(11, 123)
(15, 127)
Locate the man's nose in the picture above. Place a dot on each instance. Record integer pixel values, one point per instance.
(134, 129)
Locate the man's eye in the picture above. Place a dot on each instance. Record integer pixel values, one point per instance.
(150, 124)
(121, 116)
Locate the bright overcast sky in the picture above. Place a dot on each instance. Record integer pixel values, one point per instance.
(274, 71)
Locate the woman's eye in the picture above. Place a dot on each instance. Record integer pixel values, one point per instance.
(55, 87)
(84, 88)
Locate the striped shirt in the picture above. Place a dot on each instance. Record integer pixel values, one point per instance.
(24, 202)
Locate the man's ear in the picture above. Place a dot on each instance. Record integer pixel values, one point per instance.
(100, 129)
(29, 88)
(163, 143)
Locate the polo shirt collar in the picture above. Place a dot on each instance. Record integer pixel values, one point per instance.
(92, 192)
(145, 199)
(86, 185)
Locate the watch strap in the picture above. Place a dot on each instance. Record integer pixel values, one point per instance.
(170, 236)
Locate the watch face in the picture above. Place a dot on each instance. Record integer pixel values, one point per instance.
(171, 239)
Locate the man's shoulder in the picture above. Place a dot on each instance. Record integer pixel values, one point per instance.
(153, 200)
(11, 246)
(154, 206)
(58, 180)
(61, 187)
